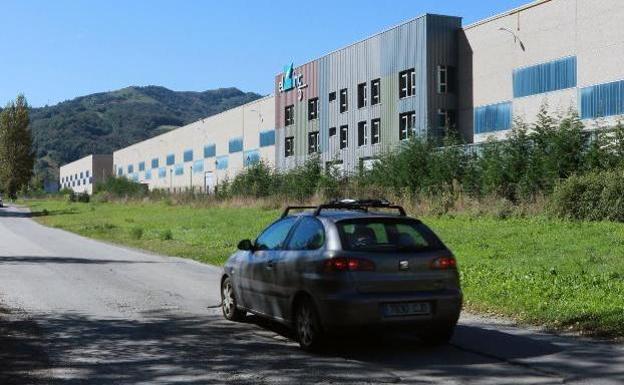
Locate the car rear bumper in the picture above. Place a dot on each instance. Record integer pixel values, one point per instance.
(365, 310)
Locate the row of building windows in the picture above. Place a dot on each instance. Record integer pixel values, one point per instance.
(407, 88)
(76, 182)
(366, 134)
(76, 176)
(267, 138)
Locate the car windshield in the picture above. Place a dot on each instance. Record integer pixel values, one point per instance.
(386, 235)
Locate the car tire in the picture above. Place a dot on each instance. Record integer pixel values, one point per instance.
(438, 335)
(308, 326)
(229, 304)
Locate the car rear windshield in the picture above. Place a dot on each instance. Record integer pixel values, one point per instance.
(386, 235)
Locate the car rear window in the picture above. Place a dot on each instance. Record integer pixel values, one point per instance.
(386, 235)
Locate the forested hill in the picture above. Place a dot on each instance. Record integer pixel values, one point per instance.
(107, 121)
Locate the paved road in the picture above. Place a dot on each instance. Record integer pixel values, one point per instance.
(86, 312)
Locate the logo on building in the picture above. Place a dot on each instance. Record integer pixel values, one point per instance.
(291, 80)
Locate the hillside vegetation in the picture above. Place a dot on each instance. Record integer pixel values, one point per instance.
(107, 121)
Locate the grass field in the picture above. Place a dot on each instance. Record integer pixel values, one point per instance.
(563, 275)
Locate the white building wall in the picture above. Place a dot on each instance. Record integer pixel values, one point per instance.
(549, 30)
(82, 174)
(245, 122)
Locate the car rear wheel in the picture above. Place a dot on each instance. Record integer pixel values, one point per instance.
(308, 326)
(229, 303)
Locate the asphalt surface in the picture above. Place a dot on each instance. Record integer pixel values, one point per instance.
(78, 311)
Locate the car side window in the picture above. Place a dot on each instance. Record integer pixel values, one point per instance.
(308, 235)
(274, 236)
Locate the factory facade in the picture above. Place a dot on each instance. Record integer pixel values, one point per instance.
(82, 175)
(205, 153)
(421, 78)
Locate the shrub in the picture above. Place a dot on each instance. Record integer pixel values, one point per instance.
(121, 188)
(594, 196)
(166, 235)
(136, 233)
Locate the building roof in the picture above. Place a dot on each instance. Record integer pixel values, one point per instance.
(507, 13)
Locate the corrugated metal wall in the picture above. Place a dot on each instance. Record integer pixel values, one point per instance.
(422, 44)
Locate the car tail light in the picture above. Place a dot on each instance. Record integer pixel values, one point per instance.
(444, 263)
(348, 264)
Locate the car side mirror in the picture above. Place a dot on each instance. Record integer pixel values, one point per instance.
(245, 244)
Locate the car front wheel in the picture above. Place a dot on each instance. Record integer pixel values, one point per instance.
(229, 303)
(308, 326)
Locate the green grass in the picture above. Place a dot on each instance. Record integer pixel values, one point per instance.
(564, 275)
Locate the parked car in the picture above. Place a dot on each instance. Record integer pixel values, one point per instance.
(1, 202)
(345, 265)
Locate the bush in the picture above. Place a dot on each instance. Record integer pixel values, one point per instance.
(166, 235)
(78, 197)
(594, 196)
(136, 233)
(121, 188)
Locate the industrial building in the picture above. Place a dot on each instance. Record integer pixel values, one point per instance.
(420, 78)
(202, 154)
(567, 54)
(350, 105)
(431, 74)
(82, 175)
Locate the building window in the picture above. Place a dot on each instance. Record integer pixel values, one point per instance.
(344, 136)
(222, 162)
(313, 142)
(332, 131)
(289, 115)
(332, 96)
(119, 171)
(188, 156)
(251, 157)
(407, 83)
(178, 169)
(313, 109)
(602, 100)
(362, 95)
(148, 175)
(495, 117)
(141, 167)
(235, 145)
(198, 166)
(289, 146)
(362, 134)
(155, 163)
(446, 118)
(375, 91)
(81, 175)
(552, 76)
(170, 159)
(267, 138)
(375, 130)
(210, 151)
(407, 123)
(130, 169)
(344, 100)
(162, 172)
(87, 172)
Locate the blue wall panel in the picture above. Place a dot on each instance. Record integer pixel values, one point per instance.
(495, 117)
(552, 76)
(602, 100)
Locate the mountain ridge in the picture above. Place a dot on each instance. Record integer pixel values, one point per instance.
(106, 121)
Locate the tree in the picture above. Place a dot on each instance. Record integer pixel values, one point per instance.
(16, 155)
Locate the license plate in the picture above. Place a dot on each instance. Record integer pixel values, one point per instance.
(406, 309)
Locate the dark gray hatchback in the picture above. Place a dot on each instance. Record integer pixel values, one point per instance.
(345, 265)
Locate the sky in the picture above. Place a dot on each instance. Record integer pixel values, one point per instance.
(57, 50)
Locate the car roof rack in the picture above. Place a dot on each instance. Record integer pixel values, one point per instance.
(348, 204)
(287, 210)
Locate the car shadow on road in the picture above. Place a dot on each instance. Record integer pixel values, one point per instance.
(9, 212)
(163, 347)
(26, 260)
